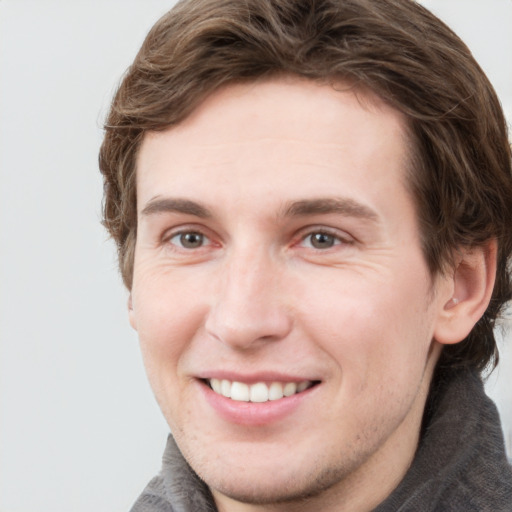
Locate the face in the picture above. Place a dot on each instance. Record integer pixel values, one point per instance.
(283, 304)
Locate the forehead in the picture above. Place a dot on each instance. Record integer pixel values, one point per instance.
(284, 102)
(281, 129)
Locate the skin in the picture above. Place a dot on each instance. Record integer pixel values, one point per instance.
(258, 173)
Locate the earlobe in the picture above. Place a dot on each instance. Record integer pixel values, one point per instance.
(472, 286)
(131, 312)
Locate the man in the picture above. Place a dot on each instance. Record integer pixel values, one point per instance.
(312, 205)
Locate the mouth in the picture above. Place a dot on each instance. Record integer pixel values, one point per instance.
(259, 392)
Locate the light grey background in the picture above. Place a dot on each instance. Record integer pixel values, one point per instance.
(79, 428)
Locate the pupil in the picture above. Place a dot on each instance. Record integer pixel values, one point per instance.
(191, 240)
(322, 240)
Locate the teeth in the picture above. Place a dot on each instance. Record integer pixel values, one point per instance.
(275, 392)
(259, 392)
(225, 388)
(239, 392)
(289, 389)
(216, 386)
(302, 386)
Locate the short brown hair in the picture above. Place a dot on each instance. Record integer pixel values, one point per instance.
(460, 175)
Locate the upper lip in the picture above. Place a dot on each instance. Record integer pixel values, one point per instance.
(253, 377)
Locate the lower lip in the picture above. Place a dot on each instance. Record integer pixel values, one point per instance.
(253, 413)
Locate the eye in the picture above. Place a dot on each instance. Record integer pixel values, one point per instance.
(189, 240)
(323, 240)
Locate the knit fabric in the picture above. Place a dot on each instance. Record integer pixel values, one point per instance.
(460, 464)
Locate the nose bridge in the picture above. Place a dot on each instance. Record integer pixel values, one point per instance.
(250, 304)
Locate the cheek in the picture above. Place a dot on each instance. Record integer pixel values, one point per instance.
(168, 315)
(370, 327)
(165, 302)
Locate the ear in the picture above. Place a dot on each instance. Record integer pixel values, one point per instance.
(471, 287)
(131, 312)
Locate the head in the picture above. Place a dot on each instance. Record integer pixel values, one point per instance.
(392, 58)
(460, 156)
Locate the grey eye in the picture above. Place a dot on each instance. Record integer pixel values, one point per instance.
(189, 240)
(322, 240)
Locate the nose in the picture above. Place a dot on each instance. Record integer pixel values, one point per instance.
(250, 307)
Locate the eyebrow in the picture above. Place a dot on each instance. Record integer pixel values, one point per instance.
(175, 205)
(343, 206)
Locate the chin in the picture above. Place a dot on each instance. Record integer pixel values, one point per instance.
(275, 485)
(273, 491)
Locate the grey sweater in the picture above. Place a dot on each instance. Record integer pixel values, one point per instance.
(460, 464)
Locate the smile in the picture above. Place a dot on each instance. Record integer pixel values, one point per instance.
(258, 392)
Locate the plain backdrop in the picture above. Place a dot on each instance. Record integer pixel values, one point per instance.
(79, 428)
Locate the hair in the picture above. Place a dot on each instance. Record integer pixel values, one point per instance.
(460, 172)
